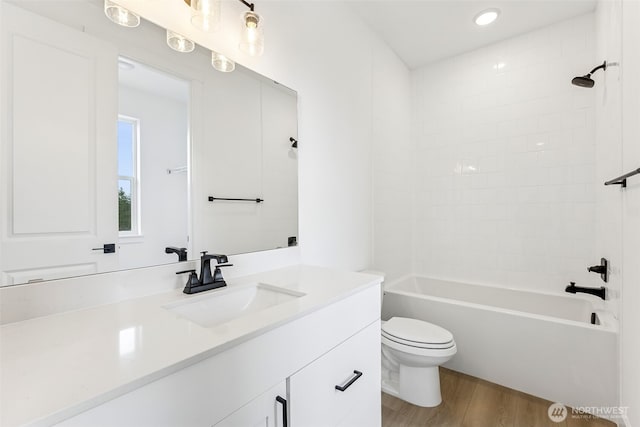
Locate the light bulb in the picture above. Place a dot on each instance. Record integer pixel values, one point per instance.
(120, 15)
(222, 63)
(205, 14)
(252, 34)
(179, 43)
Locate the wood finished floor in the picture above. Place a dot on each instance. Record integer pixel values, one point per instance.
(472, 402)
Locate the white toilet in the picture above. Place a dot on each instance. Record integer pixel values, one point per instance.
(412, 350)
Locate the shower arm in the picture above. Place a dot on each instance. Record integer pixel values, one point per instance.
(603, 66)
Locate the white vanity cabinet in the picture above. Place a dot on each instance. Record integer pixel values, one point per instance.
(312, 395)
(267, 410)
(353, 366)
(301, 360)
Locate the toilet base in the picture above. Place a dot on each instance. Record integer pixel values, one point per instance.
(420, 386)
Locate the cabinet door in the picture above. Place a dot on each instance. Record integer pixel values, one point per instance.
(266, 410)
(353, 366)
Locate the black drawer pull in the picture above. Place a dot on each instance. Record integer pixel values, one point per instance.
(353, 379)
(284, 409)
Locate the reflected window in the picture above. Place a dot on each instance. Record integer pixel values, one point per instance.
(128, 180)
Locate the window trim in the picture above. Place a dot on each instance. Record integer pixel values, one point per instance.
(136, 217)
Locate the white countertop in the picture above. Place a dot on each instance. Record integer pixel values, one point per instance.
(57, 366)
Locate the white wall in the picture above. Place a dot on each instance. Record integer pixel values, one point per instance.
(393, 149)
(630, 323)
(505, 162)
(325, 53)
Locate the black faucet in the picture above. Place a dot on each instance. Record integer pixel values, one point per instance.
(599, 292)
(181, 252)
(205, 269)
(207, 280)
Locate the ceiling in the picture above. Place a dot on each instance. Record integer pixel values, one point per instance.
(147, 79)
(425, 31)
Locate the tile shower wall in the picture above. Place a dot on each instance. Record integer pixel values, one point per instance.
(608, 110)
(505, 161)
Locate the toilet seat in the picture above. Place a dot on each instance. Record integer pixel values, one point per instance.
(416, 334)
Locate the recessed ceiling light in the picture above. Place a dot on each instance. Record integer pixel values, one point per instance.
(486, 17)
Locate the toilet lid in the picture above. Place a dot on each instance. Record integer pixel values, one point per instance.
(416, 332)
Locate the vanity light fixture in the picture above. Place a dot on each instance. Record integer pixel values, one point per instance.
(120, 15)
(486, 17)
(205, 14)
(251, 32)
(222, 63)
(179, 43)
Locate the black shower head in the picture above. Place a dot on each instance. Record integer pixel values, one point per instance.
(586, 80)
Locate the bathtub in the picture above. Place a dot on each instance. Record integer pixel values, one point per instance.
(537, 343)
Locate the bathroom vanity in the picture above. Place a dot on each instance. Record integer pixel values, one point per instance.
(286, 339)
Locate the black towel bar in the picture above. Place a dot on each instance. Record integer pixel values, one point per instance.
(622, 180)
(258, 200)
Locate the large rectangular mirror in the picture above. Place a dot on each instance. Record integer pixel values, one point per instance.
(115, 147)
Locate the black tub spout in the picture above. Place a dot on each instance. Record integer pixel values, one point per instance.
(600, 292)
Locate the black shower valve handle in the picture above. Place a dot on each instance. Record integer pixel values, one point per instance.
(602, 269)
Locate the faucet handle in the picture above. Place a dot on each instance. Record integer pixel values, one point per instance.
(193, 280)
(217, 274)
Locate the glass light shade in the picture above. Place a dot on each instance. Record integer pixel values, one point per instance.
(222, 63)
(205, 14)
(120, 15)
(179, 43)
(252, 34)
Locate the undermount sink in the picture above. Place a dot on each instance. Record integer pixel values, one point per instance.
(221, 306)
